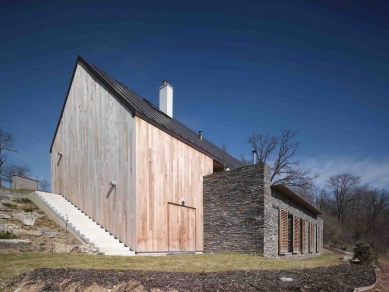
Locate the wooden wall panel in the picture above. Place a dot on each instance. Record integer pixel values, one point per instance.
(96, 136)
(167, 170)
(283, 231)
(181, 228)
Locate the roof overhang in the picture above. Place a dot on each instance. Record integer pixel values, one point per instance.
(292, 195)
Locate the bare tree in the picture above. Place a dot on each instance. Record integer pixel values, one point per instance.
(343, 187)
(244, 160)
(309, 193)
(6, 144)
(263, 145)
(225, 156)
(44, 184)
(284, 168)
(375, 202)
(14, 169)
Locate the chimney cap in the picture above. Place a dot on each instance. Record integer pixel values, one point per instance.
(164, 81)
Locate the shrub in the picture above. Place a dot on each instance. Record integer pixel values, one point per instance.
(9, 205)
(7, 235)
(27, 210)
(364, 253)
(23, 201)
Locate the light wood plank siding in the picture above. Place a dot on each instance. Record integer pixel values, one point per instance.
(167, 170)
(181, 228)
(96, 136)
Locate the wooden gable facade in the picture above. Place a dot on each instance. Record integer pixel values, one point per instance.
(98, 141)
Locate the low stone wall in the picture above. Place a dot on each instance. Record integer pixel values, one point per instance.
(15, 243)
(233, 210)
(19, 182)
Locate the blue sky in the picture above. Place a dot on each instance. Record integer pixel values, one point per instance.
(239, 67)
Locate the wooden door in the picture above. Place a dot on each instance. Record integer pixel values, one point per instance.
(181, 228)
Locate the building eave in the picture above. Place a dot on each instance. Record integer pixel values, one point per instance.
(292, 195)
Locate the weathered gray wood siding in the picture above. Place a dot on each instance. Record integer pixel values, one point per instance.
(97, 138)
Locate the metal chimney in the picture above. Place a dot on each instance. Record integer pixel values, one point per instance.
(201, 135)
(254, 156)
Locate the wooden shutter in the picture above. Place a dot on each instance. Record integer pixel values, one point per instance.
(311, 237)
(296, 234)
(283, 232)
(303, 237)
(318, 238)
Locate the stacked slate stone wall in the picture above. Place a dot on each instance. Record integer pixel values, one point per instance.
(233, 210)
(277, 201)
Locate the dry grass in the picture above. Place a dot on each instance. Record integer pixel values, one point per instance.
(15, 264)
(22, 191)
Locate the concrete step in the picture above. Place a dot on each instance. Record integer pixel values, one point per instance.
(87, 229)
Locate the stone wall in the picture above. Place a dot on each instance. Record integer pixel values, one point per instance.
(19, 182)
(273, 203)
(233, 210)
(241, 212)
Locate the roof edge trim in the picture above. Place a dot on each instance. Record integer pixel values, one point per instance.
(292, 195)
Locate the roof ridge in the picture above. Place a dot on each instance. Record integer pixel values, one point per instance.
(146, 110)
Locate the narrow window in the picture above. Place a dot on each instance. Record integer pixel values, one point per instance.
(311, 237)
(290, 232)
(303, 236)
(318, 238)
(296, 234)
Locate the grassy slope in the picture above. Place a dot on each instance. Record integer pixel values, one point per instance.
(14, 264)
(17, 191)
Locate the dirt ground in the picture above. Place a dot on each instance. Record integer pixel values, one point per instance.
(383, 277)
(337, 278)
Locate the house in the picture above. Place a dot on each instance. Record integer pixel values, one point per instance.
(144, 176)
(130, 166)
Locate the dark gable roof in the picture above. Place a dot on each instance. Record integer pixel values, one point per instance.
(145, 110)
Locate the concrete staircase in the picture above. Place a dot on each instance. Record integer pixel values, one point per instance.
(88, 230)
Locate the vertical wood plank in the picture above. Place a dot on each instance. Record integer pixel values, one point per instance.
(173, 170)
(92, 133)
